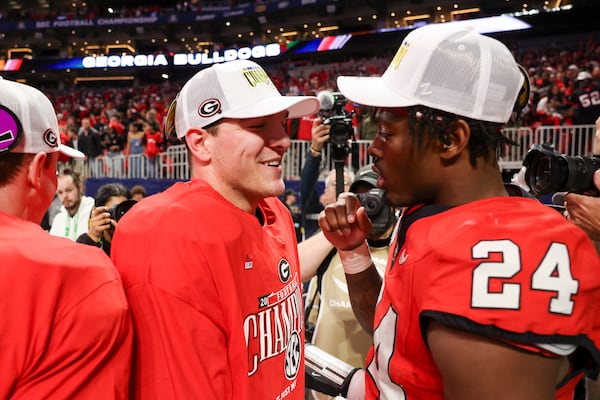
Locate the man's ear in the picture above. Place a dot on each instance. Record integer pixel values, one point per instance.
(197, 140)
(35, 170)
(456, 139)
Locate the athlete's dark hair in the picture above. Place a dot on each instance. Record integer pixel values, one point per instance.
(105, 192)
(486, 137)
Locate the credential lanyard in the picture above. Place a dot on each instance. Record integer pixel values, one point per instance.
(68, 225)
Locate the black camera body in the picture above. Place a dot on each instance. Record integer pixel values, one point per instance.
(341, 130)
(117, 211)
(549, 171)
(378, 210)
(335, 115)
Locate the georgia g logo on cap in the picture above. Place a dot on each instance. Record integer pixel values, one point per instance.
(50, 138)
(209, 107)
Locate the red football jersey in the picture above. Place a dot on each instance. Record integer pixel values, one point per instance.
(215, 294)
(504, 267)
(65, 331)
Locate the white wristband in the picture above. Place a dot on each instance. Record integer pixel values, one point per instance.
(357, 260)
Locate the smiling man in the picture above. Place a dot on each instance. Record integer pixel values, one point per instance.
(210, 266)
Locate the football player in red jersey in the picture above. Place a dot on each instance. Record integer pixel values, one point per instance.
(210, 266)
(65, 329)
(485, 295)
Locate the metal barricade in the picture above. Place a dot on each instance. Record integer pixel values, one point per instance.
(173, 163)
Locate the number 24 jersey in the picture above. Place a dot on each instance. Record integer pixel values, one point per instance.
(503, 267)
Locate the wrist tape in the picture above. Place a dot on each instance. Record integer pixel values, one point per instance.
(357, 260)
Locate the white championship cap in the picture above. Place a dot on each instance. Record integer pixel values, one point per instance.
(28, 122)
(446, 67)
(235, 89)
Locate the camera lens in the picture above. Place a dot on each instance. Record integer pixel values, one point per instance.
(549, 171)
(372, 206)
(547, 174)
(120, 209)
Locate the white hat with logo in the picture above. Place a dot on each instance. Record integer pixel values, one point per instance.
(28, 122)
(236, 89)
(447, 67)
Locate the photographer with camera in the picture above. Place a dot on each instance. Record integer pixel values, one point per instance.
(331, 324)
(333, 128)
(113, 200)
(485, 295)
(573, 182)
(310, 205)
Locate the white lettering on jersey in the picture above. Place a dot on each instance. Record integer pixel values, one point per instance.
(276, 329)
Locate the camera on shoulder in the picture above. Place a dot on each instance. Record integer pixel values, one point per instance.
(549, 171)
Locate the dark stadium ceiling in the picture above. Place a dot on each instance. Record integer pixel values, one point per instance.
(335, 17)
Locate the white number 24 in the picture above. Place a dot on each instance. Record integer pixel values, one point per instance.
(553, 274)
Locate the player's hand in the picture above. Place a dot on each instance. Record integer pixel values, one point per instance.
(319, 134)
(99, 223)
(345, 223)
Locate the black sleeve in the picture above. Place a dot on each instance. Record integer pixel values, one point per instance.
(85, 239)
(309, 198)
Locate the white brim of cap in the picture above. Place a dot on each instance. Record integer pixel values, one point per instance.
(371, 91)
(70, 151)
(297, 107)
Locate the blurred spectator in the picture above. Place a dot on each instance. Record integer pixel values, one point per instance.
(89, 143)
(586, 99)
(135, 149)
(549, 105)
(153, 140)
(114, 142)
(290, 199)
(138, 192)
(72, 220)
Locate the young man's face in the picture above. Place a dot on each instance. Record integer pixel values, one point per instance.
(68, 193)
(246, 156)
(407, 172)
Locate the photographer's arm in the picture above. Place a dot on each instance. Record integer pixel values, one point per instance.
(309, 199)
(312, 252)
(584, 211)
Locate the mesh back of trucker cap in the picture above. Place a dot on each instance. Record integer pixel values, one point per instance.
(470, 75)
(446, 67)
